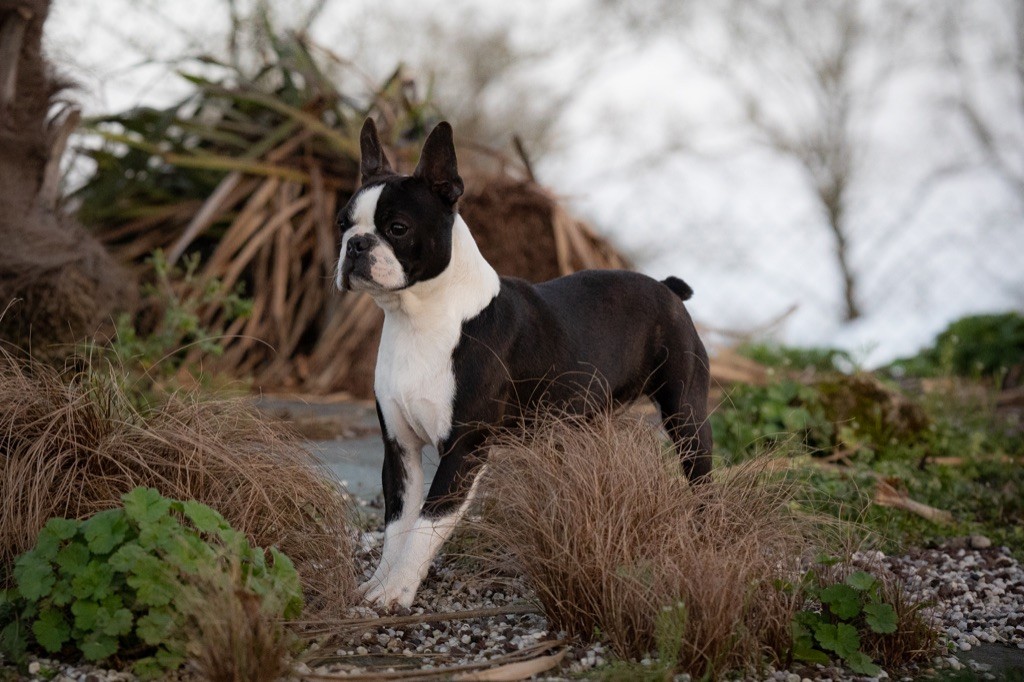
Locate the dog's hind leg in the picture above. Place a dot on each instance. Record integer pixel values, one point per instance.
(684, 414)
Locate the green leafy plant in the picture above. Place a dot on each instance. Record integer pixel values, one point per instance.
(669, 630)
(973, 346)
(754, 418)
(177, 297)
(800, 359)
(118, 583)
(849, 609)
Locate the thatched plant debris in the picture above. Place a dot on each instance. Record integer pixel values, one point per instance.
(249, 172)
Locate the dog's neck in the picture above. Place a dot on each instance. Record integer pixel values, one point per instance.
(465, 287)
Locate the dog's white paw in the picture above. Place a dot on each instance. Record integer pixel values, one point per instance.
(386, 593)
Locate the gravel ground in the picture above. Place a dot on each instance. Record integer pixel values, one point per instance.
(978, 592)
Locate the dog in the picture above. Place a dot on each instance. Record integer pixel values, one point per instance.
(464, 351)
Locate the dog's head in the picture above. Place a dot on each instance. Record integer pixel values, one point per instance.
(396, 230)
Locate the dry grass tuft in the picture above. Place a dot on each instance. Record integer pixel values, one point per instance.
(72, 445)
(617, 545)
(234, 635)
(916, 639)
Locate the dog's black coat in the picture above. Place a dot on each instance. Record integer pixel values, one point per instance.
(548, 344)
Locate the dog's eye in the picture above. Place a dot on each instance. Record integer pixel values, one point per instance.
(397, 229)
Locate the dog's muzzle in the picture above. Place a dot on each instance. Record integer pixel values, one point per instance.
(357, 262)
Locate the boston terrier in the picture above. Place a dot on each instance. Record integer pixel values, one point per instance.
(464, 351)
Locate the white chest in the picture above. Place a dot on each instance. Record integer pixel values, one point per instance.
(414, 380)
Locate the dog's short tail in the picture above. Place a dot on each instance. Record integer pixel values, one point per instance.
(678, 287)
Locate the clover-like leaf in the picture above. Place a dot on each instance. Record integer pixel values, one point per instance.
(153, 627)
(861, 581)
(92, 581)
(118, 622)
(148, 668)
(859, 662)
(51, 630)
(73, 558)
(825, 633)
(285, 581)
(204, 518)
(809, 654)
(34, 576)
(62, 529)
(881, 618)
(87, 615)
(13, 643)
(841, 638)
(154, 588)
(97, 646)
(105, 530)
(61, 595)
(188, 552)
(160, 534)
(145, 505)
(53, 535)
(842, 600)
(126, 557)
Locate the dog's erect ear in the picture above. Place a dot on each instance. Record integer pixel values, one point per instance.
(438, 165)
(373, 163)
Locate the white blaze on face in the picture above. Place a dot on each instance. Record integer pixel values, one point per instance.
(385, 270)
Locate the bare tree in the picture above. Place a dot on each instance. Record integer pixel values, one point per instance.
(983, 48)
(809, 75)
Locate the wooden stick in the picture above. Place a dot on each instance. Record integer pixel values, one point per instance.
(527, 653)
(12, 33)
(887, 496)
(60, 129)
(394, 621)
(514, 671)
(205, 217)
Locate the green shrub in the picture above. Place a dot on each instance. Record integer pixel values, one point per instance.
(800, 359)
(118, 583)
(755, 418)
(856, 413)
(152, 347)
(973, 346)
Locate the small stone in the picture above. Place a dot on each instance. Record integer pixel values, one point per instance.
(792, 677)
(34, 667)
(362, 650)
(980, 542)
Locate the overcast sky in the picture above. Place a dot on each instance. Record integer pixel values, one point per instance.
(645, 150)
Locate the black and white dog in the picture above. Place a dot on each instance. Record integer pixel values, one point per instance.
(464, 350)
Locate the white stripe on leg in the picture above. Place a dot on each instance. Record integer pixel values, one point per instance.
(422, 543)
(396, 533)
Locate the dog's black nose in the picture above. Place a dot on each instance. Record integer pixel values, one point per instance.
(357, 245)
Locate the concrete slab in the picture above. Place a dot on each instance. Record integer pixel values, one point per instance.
(357, 463)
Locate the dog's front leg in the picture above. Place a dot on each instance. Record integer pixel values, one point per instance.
(450, 495)
(402, 479)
